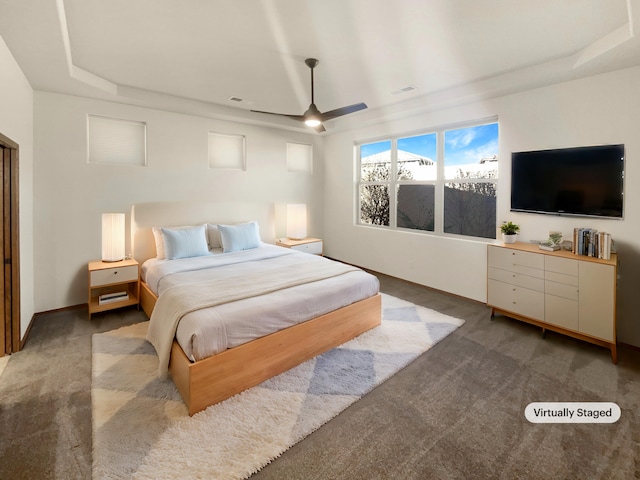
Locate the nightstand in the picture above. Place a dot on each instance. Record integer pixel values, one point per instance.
(113, 285)
(307, 245)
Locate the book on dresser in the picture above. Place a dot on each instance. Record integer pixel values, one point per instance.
(592, 243)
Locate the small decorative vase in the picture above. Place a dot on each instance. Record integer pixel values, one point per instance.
(509, 238)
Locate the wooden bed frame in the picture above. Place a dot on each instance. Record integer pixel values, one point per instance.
(216, 378)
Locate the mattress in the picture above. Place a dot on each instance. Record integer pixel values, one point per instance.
(207, 331)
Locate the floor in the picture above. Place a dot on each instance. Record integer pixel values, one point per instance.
(45, 400)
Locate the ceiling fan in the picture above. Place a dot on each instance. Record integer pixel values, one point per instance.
(313, 117)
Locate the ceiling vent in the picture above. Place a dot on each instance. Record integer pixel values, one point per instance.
(406, 89)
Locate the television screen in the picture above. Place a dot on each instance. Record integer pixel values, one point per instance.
(582, 181)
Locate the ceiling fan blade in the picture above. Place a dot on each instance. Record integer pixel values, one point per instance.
(312, 116)
(338, 112)
(299, 118)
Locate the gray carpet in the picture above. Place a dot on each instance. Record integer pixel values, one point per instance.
(456, 412)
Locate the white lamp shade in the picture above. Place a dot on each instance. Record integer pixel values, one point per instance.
(112, 237)
(297, 221)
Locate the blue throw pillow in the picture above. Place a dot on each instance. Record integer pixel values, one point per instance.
(185, 242)
(239, 237)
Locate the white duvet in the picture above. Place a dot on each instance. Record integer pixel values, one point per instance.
(210, 330)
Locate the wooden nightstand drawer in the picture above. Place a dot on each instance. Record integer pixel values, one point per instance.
(313, 247)
(308, 245)
(108, 276)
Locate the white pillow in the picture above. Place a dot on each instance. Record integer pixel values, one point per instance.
(157, 236)
(159, 239)
(243, 236)
(213, 236)
(185, 242)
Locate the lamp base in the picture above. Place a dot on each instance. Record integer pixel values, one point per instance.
(113, 261)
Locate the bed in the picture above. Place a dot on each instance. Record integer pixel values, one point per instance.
(273, 308)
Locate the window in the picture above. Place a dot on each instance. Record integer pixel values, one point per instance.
(299, 157)
(226, 151)
(417, 174)
(375, 182)
(441, 182)
(471, 171)
(116, 142)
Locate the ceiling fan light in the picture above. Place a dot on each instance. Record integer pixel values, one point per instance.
(312, 116)
(312, 122)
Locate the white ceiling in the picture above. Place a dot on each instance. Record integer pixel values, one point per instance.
(193, 55)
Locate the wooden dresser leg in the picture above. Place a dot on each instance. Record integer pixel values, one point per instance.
(614, 354)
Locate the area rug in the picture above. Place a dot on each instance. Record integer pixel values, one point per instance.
(141, 428)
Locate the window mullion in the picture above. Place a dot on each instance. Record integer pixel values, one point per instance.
(439, 192)
(393, 185)
(357, 175)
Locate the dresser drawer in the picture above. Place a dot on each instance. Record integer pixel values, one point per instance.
(526, 281)
(561, 290)
(522, 301)
(565, 266)
(561, 312)
(561, 278)
(108, 276)
(517, 261)
(311, 247)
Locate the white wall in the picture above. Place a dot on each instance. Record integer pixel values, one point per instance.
(16, 123)
(599, 110)
(70, 194)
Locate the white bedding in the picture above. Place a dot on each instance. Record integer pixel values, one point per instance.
(208, 331)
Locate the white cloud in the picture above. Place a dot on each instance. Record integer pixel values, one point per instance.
(461, 138)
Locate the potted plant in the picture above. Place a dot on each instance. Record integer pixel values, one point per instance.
(509, 232)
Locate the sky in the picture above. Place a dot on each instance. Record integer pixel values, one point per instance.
(462, 146)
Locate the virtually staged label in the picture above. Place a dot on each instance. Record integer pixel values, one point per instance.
(572, 412)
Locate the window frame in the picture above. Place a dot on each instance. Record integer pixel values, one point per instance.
(439, 183)
(233, 145)
(299, 157)
(106, 138)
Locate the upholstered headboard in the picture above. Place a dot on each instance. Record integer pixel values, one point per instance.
(144, 216)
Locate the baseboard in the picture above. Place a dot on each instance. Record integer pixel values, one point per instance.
(25, 337)
(411, 282)
(23, 340)
(629, 346)
(61, 309)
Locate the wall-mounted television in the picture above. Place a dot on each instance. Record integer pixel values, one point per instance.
(581, 181)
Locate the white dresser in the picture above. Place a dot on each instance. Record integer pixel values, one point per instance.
(560, 291)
